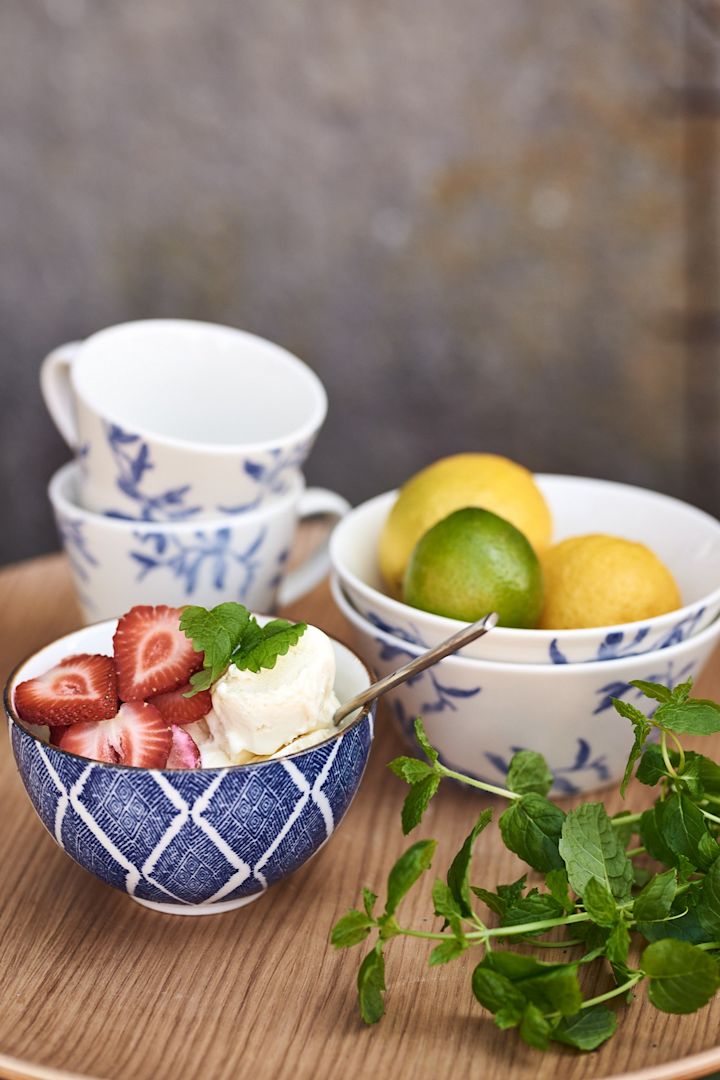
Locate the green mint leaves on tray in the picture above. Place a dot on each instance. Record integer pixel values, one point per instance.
(599, 892)
(229, 634)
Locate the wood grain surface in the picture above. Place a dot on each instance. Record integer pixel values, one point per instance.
(93, 985)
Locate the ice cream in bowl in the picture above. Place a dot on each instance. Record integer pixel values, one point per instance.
(190, 767)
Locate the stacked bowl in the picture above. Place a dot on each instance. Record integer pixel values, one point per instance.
(187, 483)
(544, 690)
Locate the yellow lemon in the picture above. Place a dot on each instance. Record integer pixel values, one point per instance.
(473, 562)
(599, 580)
(486, 481)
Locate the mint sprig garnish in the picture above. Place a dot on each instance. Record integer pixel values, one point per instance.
(229, 634)
(604, 894)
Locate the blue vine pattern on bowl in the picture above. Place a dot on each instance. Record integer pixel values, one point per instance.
(614, 645)
(133, 461)
(72, 535)
(205, 551)
(444, 697)
(620, 689)
(271, 476)
(562, 782)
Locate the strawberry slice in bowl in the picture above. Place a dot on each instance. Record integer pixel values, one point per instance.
(80, 688)
(152, 654)
(175, 708)
(137, 736)
(184, 753)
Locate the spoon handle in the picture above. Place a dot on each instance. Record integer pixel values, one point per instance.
(414, 667)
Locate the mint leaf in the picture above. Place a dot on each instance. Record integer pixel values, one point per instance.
(701, 774)
(653, 903)
(444, 903)
(617, 948)
(685, 832)
(407, 870)
(642, 727)
(708, 907)
(692, 717)
(683, 924)
(652, 837)
(424, 743)
(351, 929)
(457, 875)
(531, 827)
(534, 907)
(534, 1028)
(256, 651)
(653, 690)
(652, 768)
(417, 801)
(371, 986)
(591, 849)
(588, 1029)
(215, 632)
(552, 987)
(446, 951)
(600, 903)
(682, 977)
(411, 770)
(557, 883)
(498, 994)
(369, 902)
(529, 772)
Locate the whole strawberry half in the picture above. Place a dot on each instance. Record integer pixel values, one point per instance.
(152, 655)
(79, 689)
(138, 735)
(177, 709)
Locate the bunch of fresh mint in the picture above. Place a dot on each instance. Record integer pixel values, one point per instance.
(230, 634)
(599, 889)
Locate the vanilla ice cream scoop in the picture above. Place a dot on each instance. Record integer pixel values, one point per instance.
(259, 713)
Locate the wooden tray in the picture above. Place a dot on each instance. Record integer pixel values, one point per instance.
(93, 985)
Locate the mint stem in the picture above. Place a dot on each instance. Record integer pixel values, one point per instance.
(613, 993)
(490, 788)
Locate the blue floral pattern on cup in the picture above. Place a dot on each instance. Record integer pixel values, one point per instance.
(133, 462)
(207, 552)
(271, 475)
(668, 676)
(618, 643)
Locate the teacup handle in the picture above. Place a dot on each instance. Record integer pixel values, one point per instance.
(314, 502)
(57, 391)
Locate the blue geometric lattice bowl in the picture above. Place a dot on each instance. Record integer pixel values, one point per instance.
(191, 841)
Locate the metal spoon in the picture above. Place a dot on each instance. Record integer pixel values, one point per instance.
(427, 659)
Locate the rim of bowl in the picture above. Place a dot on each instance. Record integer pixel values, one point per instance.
(15, 719)
(581, 666)
(309, 428)
(62, 503)
(514, 632)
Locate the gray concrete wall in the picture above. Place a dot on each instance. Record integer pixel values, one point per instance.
(466, 216)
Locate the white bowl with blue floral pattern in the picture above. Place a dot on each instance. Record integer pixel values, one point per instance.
(191, 842)
(685, 538)
(478, 713)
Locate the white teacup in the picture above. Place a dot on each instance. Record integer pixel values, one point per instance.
(175, 420)
(117, 563)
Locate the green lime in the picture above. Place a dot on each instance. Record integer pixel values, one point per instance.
(473, 562)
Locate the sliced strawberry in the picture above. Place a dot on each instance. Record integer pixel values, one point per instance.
(152, 655)
(77, 690)
(55, 733)
(184, 753)
(138, 735)
(176, 709)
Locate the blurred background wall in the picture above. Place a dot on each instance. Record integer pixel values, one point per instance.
(486, 225)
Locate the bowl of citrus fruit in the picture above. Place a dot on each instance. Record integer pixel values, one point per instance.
(579, 570)
(596, 584)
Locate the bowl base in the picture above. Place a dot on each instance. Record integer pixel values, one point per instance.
(197, 909)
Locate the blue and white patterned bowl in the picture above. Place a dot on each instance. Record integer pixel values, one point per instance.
(478, 713)
(191, 842)
(685, 538)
